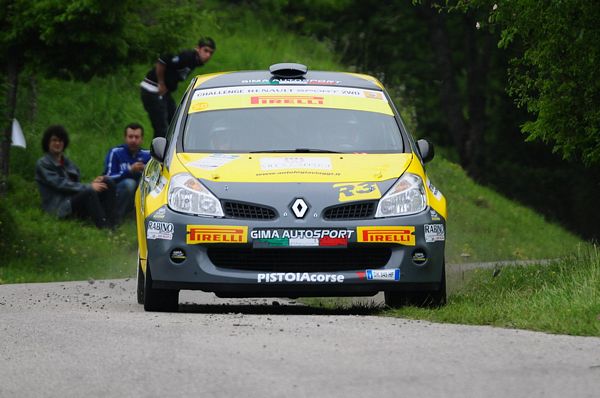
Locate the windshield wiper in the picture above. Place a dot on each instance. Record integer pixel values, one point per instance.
(297, 150)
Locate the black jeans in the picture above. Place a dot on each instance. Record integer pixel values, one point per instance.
(99, 206)
(161, 110)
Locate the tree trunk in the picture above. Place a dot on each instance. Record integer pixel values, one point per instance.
(450, 99)
(33, 92)
(477, 63)
(12, 77)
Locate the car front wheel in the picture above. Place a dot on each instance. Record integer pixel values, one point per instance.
(140, 283)
(425, 298)
(163, 300)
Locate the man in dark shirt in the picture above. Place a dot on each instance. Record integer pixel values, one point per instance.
(62, 192)
(162, 80)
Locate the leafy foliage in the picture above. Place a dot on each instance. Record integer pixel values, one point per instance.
(84, 38)
(555, 75)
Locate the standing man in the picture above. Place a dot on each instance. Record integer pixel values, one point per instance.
(162, 80)
(124, 165)
(62, 192)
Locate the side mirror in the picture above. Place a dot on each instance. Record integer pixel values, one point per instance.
(158, 148)
(425, 149)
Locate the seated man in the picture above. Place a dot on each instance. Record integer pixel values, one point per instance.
(124, 165)
(61, 190)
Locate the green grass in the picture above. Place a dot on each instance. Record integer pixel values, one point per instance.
(485, 226)
(562, 297)
(40, 248)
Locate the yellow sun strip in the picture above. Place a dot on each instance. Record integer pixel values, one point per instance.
(289, 96)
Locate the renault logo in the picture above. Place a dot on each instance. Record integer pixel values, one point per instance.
(299, 207)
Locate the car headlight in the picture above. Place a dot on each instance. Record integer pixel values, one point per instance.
(188, 195)
(407, 196)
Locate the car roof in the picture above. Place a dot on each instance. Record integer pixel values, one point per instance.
(264, 77)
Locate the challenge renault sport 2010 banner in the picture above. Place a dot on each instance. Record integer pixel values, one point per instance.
(289, 96)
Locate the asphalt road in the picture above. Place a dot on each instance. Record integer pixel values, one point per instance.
(91, 339)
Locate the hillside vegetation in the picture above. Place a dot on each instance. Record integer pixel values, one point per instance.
(482, 226)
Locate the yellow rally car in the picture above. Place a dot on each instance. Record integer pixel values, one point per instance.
(287, 183)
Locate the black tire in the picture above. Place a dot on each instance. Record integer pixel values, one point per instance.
(427, 298)
(161, 300)
(140, 283)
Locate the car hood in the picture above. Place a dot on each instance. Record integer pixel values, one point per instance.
(291, 167)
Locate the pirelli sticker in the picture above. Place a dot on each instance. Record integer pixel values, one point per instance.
(394, 234)
(216, 234)
(285, 100)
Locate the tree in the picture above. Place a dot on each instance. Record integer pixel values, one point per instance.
(77, 39)
(555, 74)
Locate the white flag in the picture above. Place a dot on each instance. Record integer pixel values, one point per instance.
(18, 139)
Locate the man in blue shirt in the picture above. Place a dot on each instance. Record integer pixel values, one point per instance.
(124, 165)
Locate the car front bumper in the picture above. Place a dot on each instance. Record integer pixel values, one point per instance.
(185, 252)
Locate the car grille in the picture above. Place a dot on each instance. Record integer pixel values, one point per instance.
(350, 211)
(299, 260)
(248, 211)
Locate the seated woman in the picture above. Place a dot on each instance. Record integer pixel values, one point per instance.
(60, 187)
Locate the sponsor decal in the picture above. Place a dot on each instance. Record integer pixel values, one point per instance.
(178, 256)
(213, 161)
(434, 215)
(286, 100)
(434, 232)
(419, 257)
(265, 238)
(393, 234)
(436, 192)
(160, 214)
(315, 163)
(216, 234)
(271, 277)
(357, 191)
(198, 106)
(383, 274)
(291, 81)
(284, 90)
(373, 95)
(300, 172)
(160, 230)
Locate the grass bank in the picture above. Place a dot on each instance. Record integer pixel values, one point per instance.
(562, 297)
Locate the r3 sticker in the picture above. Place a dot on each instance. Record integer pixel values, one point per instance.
(357, 191)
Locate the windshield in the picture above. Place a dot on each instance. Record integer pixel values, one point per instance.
(291, 130)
